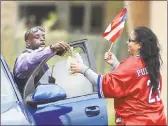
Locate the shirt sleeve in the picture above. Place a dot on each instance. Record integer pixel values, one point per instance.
(116, 83)
(115, 62)
(99, 86)
(29, 61)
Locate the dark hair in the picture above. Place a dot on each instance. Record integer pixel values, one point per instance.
(150, 53)
(33, 29)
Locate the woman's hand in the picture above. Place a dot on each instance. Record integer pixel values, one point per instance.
(78, 68)
(75, 67)
(108, 57)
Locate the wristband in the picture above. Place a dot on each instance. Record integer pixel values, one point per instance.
(85, 71)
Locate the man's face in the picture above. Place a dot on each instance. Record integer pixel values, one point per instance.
(36, 39)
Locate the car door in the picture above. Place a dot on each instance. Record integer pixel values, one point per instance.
(11, 101)
(82, 105)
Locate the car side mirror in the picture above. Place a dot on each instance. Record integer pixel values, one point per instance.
(45, 93)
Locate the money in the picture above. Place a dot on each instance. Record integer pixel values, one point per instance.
(73, 58)
(71, 51)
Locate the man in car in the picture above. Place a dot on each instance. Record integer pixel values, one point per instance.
(35, 52)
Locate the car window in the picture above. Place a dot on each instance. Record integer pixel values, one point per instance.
(7, 92)
(74, 84)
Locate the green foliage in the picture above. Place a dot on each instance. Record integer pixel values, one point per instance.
(49, 22)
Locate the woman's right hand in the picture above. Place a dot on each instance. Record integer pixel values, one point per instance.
(78, 67)
(108, 57)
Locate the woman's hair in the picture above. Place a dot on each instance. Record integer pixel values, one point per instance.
(150, 53)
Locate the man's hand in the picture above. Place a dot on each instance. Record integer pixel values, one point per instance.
(61, 48)
(108, 57)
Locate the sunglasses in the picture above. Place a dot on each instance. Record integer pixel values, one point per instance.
(131, 40)
(32, 30)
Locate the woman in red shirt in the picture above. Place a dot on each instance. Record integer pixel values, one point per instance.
(135, 83)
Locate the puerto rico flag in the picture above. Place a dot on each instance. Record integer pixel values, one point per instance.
(116, 27)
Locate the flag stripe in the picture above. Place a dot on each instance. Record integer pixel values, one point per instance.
(113, 25)
(114, 28)
(108, 28)
(114, 31)
(105, 34)
(116, 35)
(120, 14)
(117, 21)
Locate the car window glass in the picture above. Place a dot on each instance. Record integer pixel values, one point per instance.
(74, 84)
(7, 91)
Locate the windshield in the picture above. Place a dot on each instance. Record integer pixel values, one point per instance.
(8, 96)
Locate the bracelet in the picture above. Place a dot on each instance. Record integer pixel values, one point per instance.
(85, 71)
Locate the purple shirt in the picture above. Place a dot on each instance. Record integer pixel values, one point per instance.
(29, 60)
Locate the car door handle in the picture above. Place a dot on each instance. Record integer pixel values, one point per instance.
(92, 111)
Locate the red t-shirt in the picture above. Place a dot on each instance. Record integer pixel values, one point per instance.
(134, 102)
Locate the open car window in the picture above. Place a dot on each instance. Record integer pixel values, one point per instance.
(74, 84)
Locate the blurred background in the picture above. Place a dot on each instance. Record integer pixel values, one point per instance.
(75, 20)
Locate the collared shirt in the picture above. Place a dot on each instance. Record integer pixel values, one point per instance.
(28, 61)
